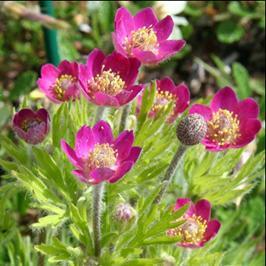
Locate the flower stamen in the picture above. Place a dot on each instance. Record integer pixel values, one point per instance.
(28, 124)
(223, 128)
(102, 155)
(108, 82)
(143, 38)
(62, 84)
(191, 232)
(162, 100)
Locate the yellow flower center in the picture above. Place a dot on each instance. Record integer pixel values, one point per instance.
(223, 128)
(162, 99)
(62, 84)
(144, 38)
(102, 155)
(107, 82)
(192, 231)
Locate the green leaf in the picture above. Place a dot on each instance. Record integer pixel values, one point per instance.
(23, 84)
(241, 77)
(57, 251)
(192, 10)
(161, 240)
(6, 112)
(170, 219)
(147, 102)
(49, 220)
(238, 9)
(229, 32)
(142, 262)
(13, 151)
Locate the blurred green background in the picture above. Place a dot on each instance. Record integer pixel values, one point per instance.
(225, 46)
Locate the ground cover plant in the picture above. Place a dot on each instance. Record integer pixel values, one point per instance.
(106, 164)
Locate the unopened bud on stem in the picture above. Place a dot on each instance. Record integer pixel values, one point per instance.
(191, 130)
(124, 212)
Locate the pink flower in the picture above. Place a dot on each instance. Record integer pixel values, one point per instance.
(231, 123)
(31, 126)
(167, 93)
(97, 156)
(198, 228)
(144, 37)
(109, 80)
(60, 83)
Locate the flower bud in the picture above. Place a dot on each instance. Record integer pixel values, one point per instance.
(191, 130)
(124, 212)
(31, 126)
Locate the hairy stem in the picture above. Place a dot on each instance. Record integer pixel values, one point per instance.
(97, 212)
(99, 113)
(170, 172)
(124, 116)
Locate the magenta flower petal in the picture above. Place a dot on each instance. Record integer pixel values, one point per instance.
(85, 141)
(145, 17)
(183, 95)
(134, 154)
(123, 144)
(169, 48)
(102, 132)
(248, 108)
(121, 171)
(203, 209)
(68, 68)
(81, 175)
(70, 153)
(118, 45)
(164, 28)
(166, 84)
(127, 68)
(180, 202)
(22, 115)
(203, 110)
(129, 95)
(103, 99)
(100, 174)
(183, 201)
(224, 99)
(249, 129)
(145, 57)
(94, 62)
(49, 71)
(213, 227)
(124, 22)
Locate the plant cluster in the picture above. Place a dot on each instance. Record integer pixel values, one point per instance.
(102, 163)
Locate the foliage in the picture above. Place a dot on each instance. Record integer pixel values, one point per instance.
(45, 211)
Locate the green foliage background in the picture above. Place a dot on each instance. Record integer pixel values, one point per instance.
(45, 210)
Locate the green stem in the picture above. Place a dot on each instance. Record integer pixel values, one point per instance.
(97, 213)
(99, 113)
(124, 116)
(185, 256)
(170, 172)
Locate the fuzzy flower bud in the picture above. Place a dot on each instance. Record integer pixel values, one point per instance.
(191, 130)
(124, 212)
